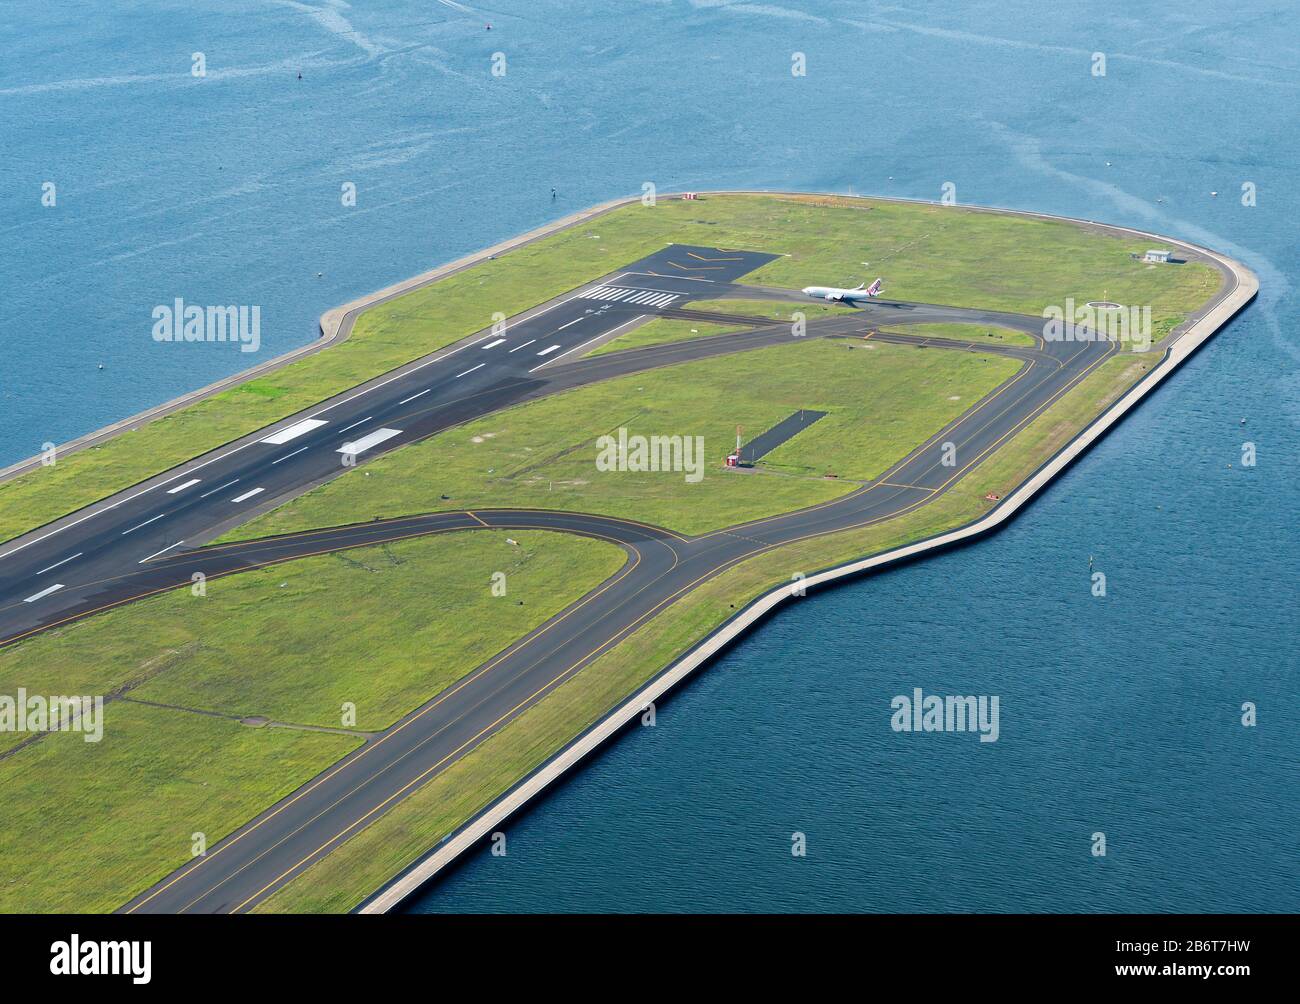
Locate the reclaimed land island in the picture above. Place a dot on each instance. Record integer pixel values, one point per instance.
(351, 610)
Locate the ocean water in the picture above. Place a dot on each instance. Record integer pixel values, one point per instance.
(1118, 715)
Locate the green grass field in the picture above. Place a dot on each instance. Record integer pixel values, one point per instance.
(992, 333)
(928, 253)
(662, 330)
(882, 404)
(87, 825)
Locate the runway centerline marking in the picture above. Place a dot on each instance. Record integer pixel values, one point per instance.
(407, 400)
(44, 592)
(493, 344)
(356, 423)
(51, 568)
(288, 455)
(180, 488)
(248, 495)
(548, 351)
(145, 523)
(222, 488)
(469, 371)
(524, 346)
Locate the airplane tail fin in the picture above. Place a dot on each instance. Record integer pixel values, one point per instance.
(874, 288)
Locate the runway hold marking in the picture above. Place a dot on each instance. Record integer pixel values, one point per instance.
(145, 523)
(548, 351)
(469, 371)
(524, 346)
(221, 488)
(50, 568)
(180, 488)
(405, 400)
(365, 442)
(494, 344)
(44, 592)
(293, 431)
(248, 495)
(616, 294)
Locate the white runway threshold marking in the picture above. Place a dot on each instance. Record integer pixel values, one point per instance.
(180, 488)
(650, 297)
(248, 495)
(293, 431)
(366, 442)
(44, 592)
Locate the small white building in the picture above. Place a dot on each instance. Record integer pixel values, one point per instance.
(1157, 255)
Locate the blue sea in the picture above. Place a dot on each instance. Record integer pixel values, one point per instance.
(1118, 715)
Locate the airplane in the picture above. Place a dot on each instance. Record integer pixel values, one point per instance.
(850, 296)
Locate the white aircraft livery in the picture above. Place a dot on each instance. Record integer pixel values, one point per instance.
(859, 292)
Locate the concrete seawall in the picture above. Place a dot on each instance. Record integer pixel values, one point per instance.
(1241, 290)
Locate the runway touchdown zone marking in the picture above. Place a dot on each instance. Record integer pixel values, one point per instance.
(293, 431)
(366, 442)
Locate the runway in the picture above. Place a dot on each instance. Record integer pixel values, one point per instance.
(143, 541)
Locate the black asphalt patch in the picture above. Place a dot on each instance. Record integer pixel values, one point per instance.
(785, 429)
